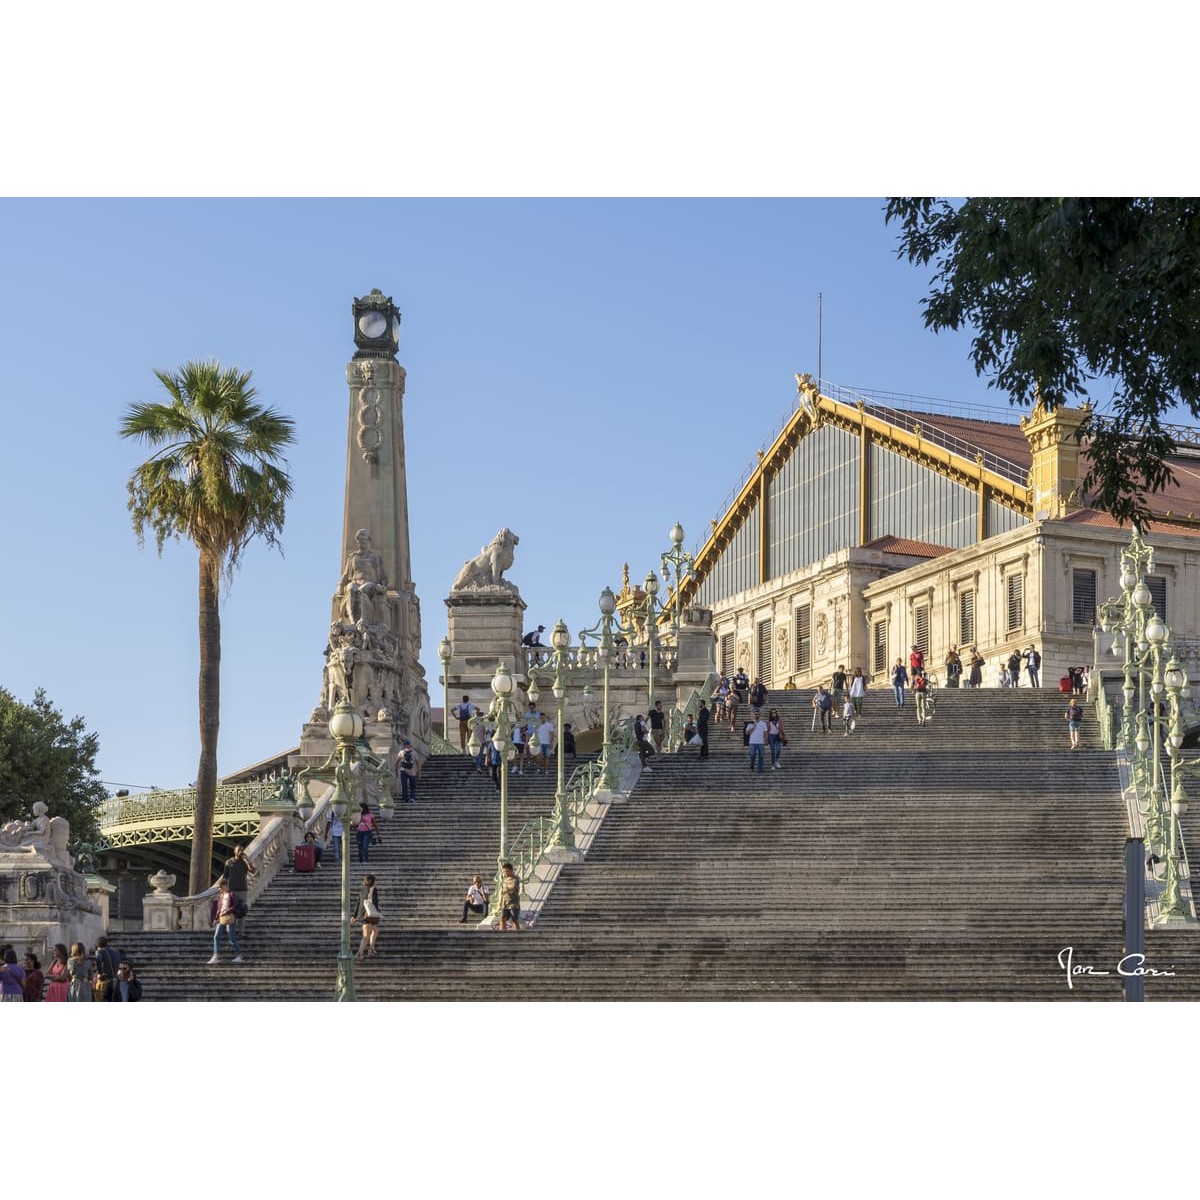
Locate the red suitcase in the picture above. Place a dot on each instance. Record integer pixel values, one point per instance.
(305, 857)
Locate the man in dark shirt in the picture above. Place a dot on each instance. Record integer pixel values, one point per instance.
(702, 729)
(236, 870)
(658, 725)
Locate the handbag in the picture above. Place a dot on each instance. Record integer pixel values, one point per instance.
(228, 918)
(370, 911)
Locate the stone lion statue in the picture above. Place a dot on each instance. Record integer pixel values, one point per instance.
(486, 568)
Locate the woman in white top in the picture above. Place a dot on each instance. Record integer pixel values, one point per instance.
(858, 691)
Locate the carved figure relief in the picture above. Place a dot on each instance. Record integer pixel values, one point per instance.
(369, 432)
(363, 583)
(781, 647)
(821, 634)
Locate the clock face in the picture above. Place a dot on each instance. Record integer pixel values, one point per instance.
(372, 324)
(396, 330)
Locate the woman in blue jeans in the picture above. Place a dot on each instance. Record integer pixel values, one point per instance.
(775, 737)
(225, 921)
(365, 828)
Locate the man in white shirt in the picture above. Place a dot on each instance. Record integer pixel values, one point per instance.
(758, 740)
(545, 737)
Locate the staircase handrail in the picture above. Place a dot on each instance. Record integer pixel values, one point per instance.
(536, 835)
(1106, 717)
(690, 708)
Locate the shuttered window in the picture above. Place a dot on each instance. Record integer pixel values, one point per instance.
(1016, 603)
(765, 656)
(727, 648)
(966, 617)
(803, 657)
(921, 629)
(1083, 596)
(1158, 593)
(879, 648)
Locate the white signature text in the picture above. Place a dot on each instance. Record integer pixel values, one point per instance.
(1131, 965)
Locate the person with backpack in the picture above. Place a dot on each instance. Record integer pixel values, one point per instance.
(758, 695)
(463, 712)
(408, 769)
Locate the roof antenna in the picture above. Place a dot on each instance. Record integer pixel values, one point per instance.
(820, 323)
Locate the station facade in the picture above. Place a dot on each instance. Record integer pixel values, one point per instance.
(865, 529)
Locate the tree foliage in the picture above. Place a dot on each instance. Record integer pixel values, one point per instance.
(45, 757)
(218, 478)
(1071, 294)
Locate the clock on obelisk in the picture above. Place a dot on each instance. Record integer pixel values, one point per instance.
(373, 653)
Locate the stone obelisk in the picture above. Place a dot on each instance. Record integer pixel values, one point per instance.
(373, 653)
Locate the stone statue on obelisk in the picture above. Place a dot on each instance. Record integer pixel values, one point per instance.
(373, 654)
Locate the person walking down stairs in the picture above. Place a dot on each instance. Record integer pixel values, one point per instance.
(920, 690)
(776, 737)
(224, 920)
(367, 911)
(1073, 716)
(758, 740)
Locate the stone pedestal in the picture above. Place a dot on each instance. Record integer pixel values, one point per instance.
(43, 903)
(697, 649)
(485, 629)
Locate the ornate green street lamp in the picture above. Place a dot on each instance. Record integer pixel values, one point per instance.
(1172, 909)
(562, 848)
(650, 587)
(605, 627)
(346, 727)
(503, 711)
(681, 562)
(445, 653)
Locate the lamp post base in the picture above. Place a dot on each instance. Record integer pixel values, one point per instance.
(344, 990)
(564, 854)
(1173, 920)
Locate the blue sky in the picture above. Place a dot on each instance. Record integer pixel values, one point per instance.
(585, 372)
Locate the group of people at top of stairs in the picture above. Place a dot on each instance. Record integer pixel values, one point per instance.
(762, 729)
(533, 741)
(105, 974)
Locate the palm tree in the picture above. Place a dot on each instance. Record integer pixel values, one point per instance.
(217, 477)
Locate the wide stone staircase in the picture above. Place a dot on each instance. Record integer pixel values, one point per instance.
(954, 861)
